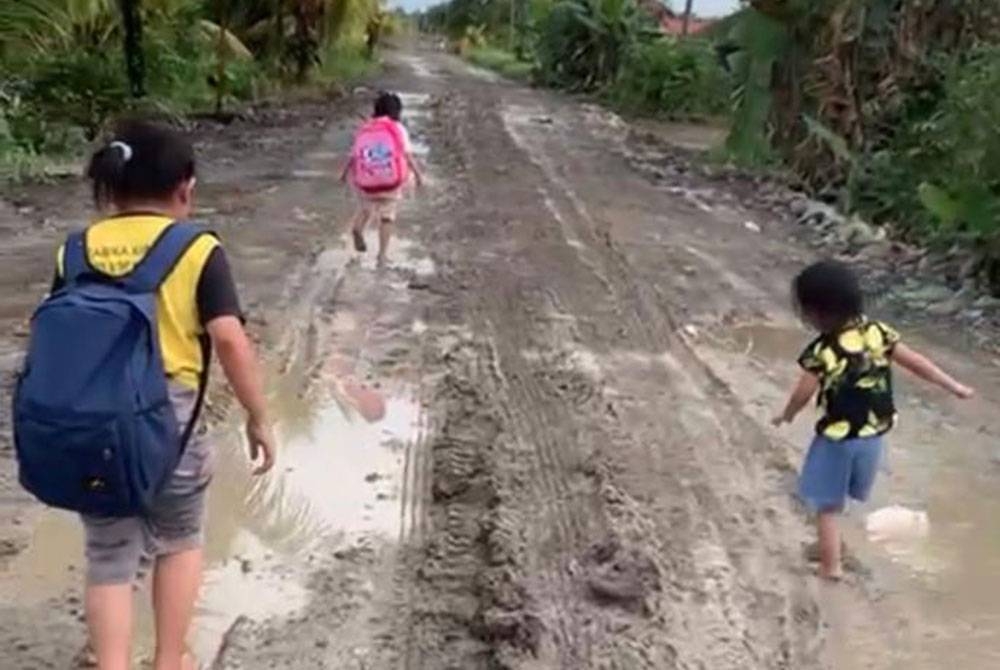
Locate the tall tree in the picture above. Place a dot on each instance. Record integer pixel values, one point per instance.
(135, 65)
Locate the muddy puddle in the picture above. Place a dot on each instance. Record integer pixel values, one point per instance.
(929, 540)
(339, 479)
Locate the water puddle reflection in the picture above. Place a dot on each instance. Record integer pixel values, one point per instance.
(339, 477)
(769, 341)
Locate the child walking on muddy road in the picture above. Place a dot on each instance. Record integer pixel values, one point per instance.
(849, 367)
(106, 408)
(379, 168)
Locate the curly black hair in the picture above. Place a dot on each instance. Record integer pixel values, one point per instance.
(828, 295)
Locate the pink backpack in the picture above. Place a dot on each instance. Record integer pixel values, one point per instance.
(379, 157)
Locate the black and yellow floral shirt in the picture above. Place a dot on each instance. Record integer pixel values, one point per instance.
(855, 373)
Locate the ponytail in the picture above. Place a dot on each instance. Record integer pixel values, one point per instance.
(107, 170)
(143, 161)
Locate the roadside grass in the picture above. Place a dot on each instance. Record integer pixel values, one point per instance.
(345, 64)
(502, 62)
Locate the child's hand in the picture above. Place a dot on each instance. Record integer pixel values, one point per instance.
(779, 420)
(263, 447)
(962, 391)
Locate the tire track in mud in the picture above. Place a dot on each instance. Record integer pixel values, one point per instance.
(599, 290)
(653, 312)
(474, 558)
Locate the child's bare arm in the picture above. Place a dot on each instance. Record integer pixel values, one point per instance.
(924, 368)
(804, 391)
(347, 168)
(418, 174)
(239, 363)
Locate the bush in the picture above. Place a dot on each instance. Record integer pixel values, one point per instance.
(675, 78)
(582, 44)
(345, 63)
(80, 89)
(940, 174)
(501, 61)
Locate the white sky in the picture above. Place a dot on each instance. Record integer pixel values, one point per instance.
(701, 7)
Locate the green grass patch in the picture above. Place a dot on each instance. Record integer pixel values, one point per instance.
(502, 62)
(346, 63)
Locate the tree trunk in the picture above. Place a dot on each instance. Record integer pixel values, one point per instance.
(135, 66)
(688, 8)
(303, 41)
(513, 16)
(221, 56)
(278, 46)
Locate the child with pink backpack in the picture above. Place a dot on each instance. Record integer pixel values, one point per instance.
(379, 168)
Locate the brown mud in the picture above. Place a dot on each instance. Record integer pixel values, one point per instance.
(541, 438)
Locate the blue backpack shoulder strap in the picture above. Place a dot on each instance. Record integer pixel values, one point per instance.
(75, 261)
(163, 256)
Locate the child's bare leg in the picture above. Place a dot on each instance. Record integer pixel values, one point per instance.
(384, 236)
(358, 223)
(829, 546)
(109, 619)
(175, 590)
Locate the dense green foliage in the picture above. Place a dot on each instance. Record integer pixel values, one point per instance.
(584, 44)
(677, 78)
(609, 47)
(68, 66)
(888, 104)
(939, 173)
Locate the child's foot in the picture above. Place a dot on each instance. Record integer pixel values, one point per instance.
(834, 575)
(85, 658)
(382, 263)
(359, 241)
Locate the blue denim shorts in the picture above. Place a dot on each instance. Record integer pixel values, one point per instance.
(835, 470)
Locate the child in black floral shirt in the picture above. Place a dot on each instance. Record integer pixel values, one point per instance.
(849, 368)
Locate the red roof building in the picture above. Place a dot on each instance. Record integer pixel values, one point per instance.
(671, 22)
(674, 25)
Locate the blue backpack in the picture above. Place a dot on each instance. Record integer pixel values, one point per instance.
(94, 427)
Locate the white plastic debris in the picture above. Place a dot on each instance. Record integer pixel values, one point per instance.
(897, 523)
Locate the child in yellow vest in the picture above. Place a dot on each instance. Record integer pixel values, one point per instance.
(143, 181)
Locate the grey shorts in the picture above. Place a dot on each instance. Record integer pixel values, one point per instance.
(118, 550)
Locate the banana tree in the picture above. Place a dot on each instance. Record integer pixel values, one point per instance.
(583, 43)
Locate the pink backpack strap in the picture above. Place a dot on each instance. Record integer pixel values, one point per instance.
(394, 130)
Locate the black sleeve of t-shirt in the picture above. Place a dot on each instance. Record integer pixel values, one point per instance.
(216, 294)
(57, 281)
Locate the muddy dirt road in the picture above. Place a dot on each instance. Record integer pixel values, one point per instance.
(574, 467)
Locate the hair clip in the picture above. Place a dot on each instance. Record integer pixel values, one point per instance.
(126, 150)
